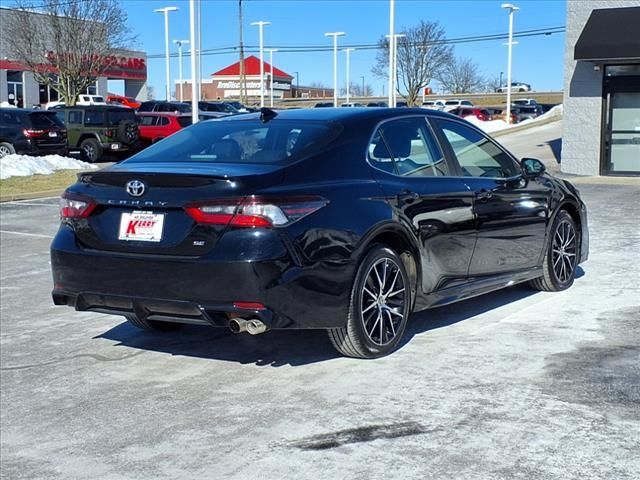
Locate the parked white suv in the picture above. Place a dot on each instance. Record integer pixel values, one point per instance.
(455, 103)
(433, 104)
(515, 87)
(82, 100)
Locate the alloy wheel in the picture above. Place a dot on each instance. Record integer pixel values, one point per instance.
(564, 251)
(4, 151)
(383, 301)
(89, 151)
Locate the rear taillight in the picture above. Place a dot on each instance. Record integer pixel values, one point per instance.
(31, 133)
(255, 211)
(109, 133)
(75, 206)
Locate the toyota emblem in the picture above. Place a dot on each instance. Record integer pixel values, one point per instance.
(135, 188)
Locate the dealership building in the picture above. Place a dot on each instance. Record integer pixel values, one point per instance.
(19, 87)
(225, 83)
(601, 127)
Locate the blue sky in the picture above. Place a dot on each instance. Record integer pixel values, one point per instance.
(537, 60)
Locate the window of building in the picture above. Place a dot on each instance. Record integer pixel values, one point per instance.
(15, 95)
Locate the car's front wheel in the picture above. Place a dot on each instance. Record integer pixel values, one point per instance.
(561, 258)
(152, 325)
(379, 307)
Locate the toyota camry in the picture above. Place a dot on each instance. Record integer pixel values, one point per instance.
(346, 220)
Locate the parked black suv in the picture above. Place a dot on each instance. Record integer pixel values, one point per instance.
(32, 132)
(163, 106)
(94, 129)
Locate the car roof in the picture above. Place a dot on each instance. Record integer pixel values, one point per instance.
(26, 110)
(164, 114)
(97, 107)
(342, 114)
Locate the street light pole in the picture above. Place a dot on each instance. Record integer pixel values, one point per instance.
(166, 11)
(395, 65)
(501, 74)
(512, 8)
(271, 50)
(392, 41)
(194, 78)
(180, 43)
(348, 51)
(362, 77)
(297, 84)
(335, 36)
(260, 26)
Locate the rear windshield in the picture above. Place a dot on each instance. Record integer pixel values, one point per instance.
(185, 121)
(452, 102)
(247, 141)
(45, 120)
(117, 116)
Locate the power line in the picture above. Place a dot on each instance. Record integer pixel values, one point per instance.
(375, 46)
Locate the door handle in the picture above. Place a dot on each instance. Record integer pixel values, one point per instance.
(408, 196)
(484, 195)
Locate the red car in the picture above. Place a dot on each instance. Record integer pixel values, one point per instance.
(479, 113)
(155, 126)
(124, 101)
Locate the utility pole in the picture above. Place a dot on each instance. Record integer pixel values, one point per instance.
(297, 84)
(271, 50)
(392, 48)
(242, 74)
(363, 92)
(194, 60)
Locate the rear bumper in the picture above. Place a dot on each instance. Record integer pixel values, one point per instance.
(33, 148)
(200, 289)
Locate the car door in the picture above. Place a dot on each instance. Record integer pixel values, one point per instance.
(511, 213)
(74, 125)
(418, 184)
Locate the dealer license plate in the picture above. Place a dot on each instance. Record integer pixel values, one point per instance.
(141, 226)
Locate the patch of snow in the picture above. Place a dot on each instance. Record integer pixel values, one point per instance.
(497, 125)
(24, 165)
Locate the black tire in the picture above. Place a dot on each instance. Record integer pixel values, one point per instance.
(561, 258)
(128, 132)
(6, 149)
(361, 338)
(91, 150)
(153, 325)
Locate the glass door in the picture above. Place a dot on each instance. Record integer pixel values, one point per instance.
(624, 144)
(622, 115)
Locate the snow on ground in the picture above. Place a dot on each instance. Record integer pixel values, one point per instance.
(496, 125)
(24, 165)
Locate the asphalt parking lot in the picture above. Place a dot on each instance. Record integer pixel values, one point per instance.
(512, 385)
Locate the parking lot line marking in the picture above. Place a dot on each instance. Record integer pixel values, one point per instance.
(31, 199)
(27, 234)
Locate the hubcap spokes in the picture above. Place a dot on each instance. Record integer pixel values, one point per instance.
(564, 251)
(382, 303)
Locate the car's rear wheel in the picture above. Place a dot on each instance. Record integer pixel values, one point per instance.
(561, 257)
(6, 149)
(379, 307)
(152, 325)
(91, 150)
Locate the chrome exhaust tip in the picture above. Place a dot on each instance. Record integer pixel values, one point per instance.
(238, 325)
(256, 327)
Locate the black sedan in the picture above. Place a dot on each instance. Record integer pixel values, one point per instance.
(340, 219)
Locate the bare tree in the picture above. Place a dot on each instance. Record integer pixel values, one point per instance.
(67, 44)
(356, 90)
(461, 75)
(421, 54)
(492, 83)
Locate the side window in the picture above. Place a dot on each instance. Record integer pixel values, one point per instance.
(75, 117)
(413, 148)
(147, 120)
(60, 115)
(477, 155)
(379, 155)
(94, 117)
(163, 121)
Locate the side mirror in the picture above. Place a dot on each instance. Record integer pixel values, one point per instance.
(532, 167)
